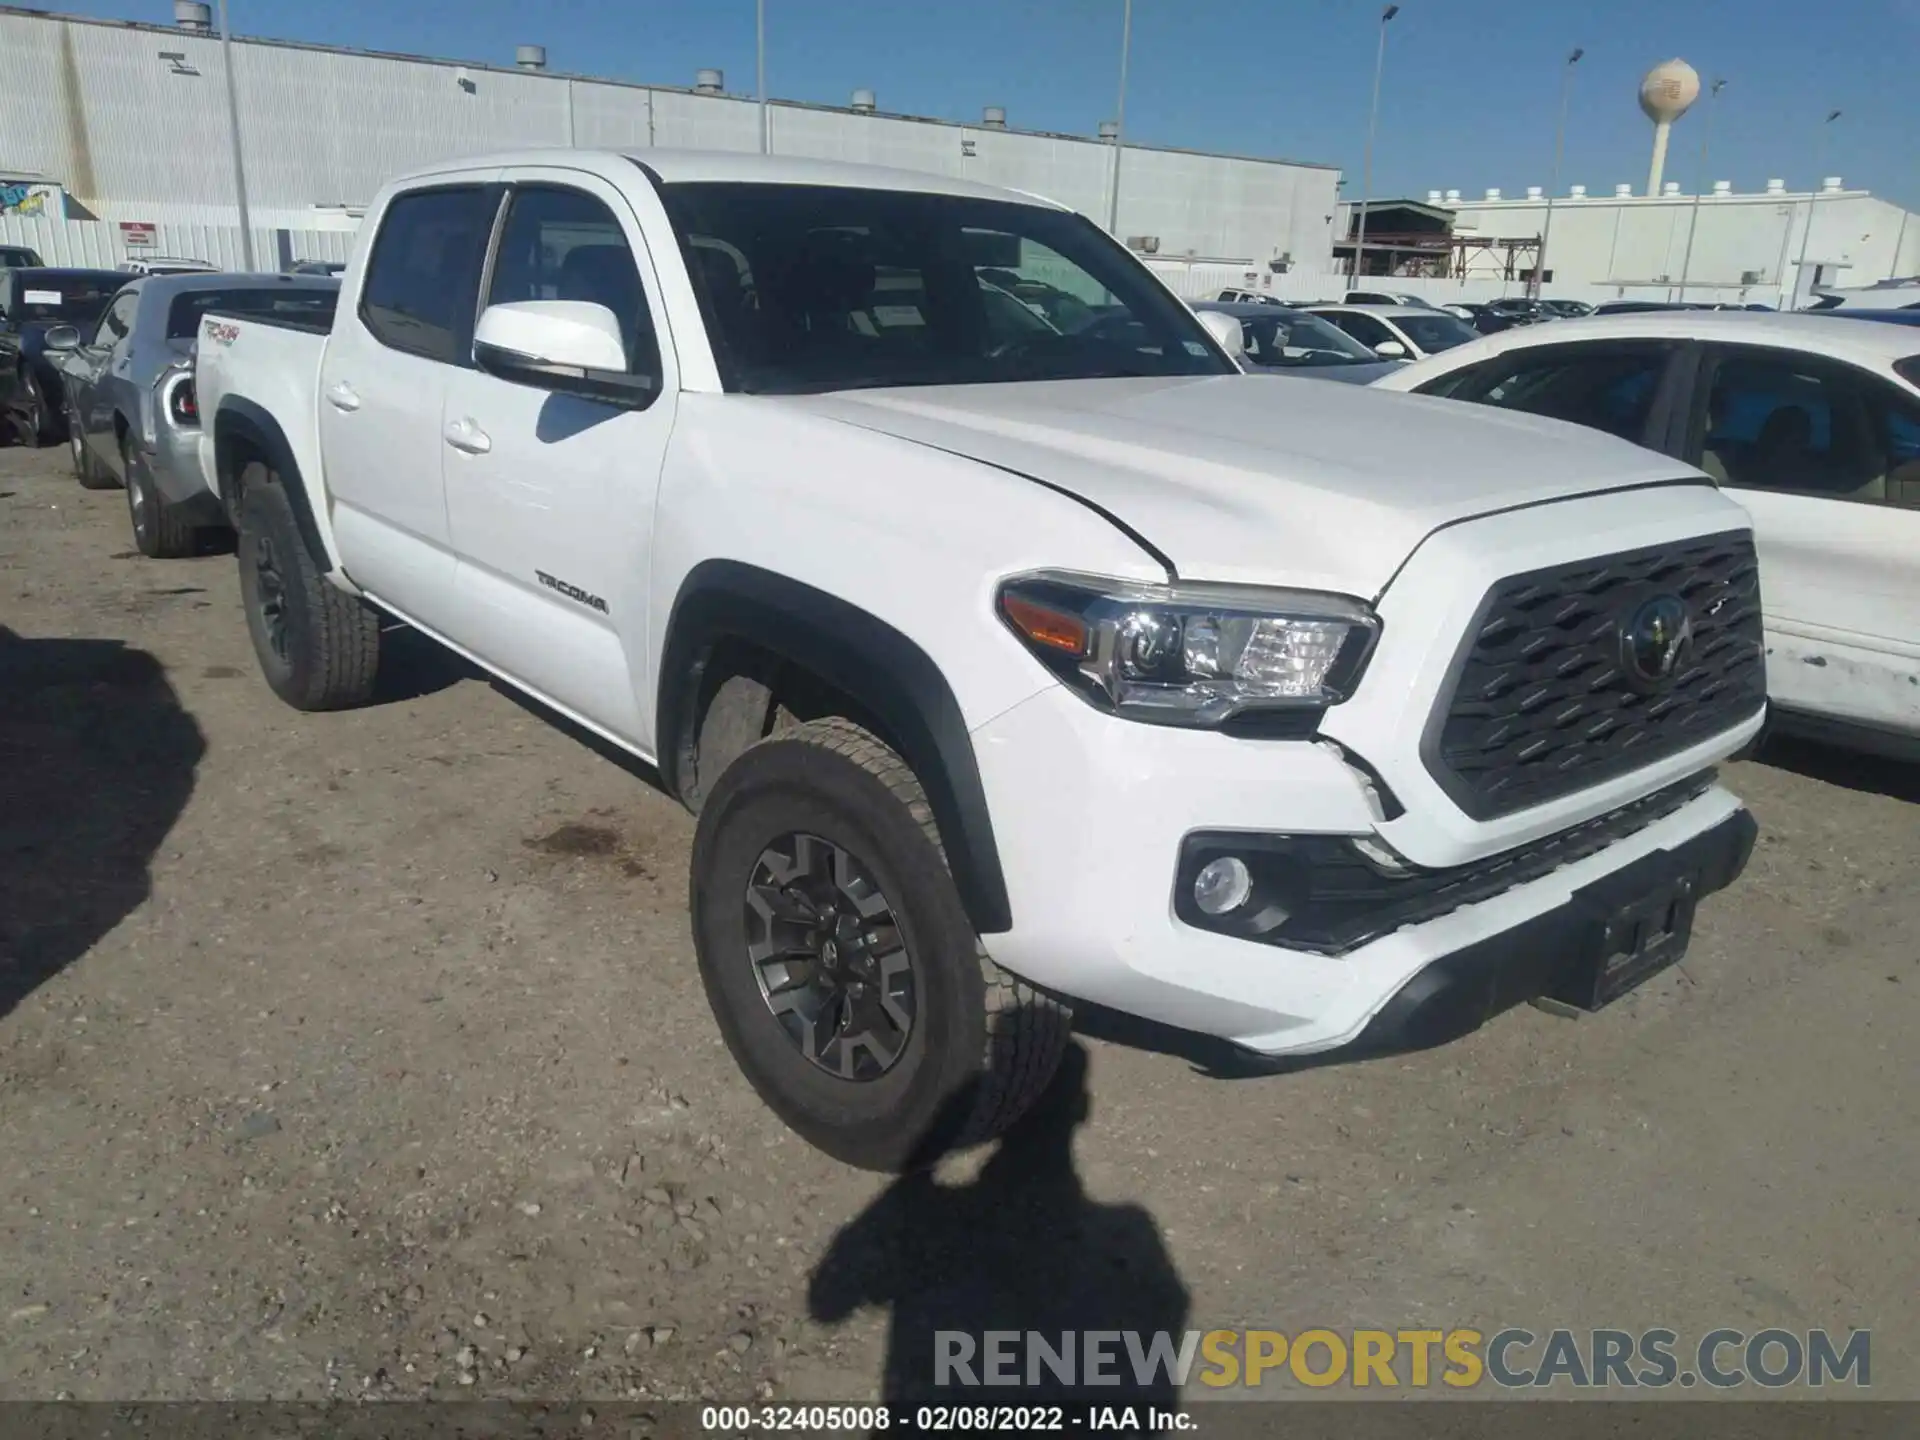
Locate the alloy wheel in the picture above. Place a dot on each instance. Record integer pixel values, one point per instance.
(271, 588)
(829, 957)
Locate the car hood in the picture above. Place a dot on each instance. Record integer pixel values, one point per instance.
(1234, 478)
(1359, 373)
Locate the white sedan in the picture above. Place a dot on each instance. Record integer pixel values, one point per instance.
(1399, 332)
(1813, 423)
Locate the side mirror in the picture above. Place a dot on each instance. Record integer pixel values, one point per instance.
(1390, 350)
(1226, 330)
(61, 338)
(571, 346)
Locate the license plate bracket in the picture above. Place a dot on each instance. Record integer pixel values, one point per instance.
(1640, 926)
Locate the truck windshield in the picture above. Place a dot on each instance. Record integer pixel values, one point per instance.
(810, 288)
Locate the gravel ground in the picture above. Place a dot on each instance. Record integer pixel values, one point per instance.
(365, 1054)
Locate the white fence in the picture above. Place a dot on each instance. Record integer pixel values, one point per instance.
(98, 244)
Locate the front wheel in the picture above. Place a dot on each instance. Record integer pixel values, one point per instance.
(840, 963)
(318, 647)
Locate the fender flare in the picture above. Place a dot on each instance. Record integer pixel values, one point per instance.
(867, 660)
(242, 422)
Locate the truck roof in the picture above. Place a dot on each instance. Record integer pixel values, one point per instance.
(674, 167)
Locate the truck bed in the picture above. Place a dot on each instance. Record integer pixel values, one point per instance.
(269, 364)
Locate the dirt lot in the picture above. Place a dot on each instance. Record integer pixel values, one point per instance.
(365, 1054)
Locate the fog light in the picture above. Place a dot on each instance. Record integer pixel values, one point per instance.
(1222, 885)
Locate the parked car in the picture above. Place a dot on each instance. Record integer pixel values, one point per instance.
(1384, 297)
(1567, 309)
(1246, 297)
(1641, 307)
(1811, 424)
(20, 257)
(167, 265)
(1000, 666)
(1885, 317)
(32, 393)
(1278, 341)
(1397, 332)
(131, 415)
(319, 267)
(1483, 320)
(1521, 310)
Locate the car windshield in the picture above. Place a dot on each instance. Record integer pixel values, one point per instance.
(183, 315)
(15, 257)
(1437, 331)
(1295, 338)
(65, 298)
(810, 288)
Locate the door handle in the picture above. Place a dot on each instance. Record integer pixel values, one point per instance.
(343, 396)
(465, 436)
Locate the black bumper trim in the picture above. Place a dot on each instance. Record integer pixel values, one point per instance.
(1458, 993)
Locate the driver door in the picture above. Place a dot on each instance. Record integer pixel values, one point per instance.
(88, 370)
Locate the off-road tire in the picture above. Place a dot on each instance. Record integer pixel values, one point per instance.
(327, 649)
(983, 1046)
(158, 531)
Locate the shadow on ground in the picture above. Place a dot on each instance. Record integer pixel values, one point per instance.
(97, 760)
(1021, 1247)
(1849, 769)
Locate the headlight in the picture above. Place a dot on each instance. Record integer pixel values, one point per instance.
(1188, 654)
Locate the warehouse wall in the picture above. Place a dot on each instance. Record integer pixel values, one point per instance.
(135, 136)
(1639, 240)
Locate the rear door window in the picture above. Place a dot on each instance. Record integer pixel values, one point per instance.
(1774, 420)
(423, 279)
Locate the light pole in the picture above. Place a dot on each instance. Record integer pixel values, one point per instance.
(233, 133)
(1120, 119)
(760, 69)
(1706, 134)
(1373, 122)
(1813, 199)
(1559, 145)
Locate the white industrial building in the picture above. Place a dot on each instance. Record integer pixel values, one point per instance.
(1746, 247)
(127, 124)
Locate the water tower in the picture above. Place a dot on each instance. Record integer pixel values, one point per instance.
(1665, 95)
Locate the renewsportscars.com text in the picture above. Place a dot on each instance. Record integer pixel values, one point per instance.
(1459, 1359)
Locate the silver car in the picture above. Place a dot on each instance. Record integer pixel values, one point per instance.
(131, 415)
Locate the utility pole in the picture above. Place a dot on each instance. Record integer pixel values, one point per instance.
(233, 133)
(1120, 119)
(1559, 145)
(1706, 134)
(760, 70)
(1373, 124)
(1813, 200)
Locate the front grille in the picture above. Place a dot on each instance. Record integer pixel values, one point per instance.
(1542, 703)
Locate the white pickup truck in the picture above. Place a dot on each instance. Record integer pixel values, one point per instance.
(1006, 663)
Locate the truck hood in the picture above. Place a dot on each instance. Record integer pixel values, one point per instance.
(1235, 478)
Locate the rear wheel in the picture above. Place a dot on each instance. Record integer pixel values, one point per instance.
(840, 964)
(158, 530)
(318, 647)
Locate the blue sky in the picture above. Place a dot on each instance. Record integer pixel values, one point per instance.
(1470, 97)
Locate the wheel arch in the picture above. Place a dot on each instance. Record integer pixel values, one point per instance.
(725, 608)
(243, 432)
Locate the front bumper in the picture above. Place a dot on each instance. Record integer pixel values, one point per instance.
(1090, 818)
